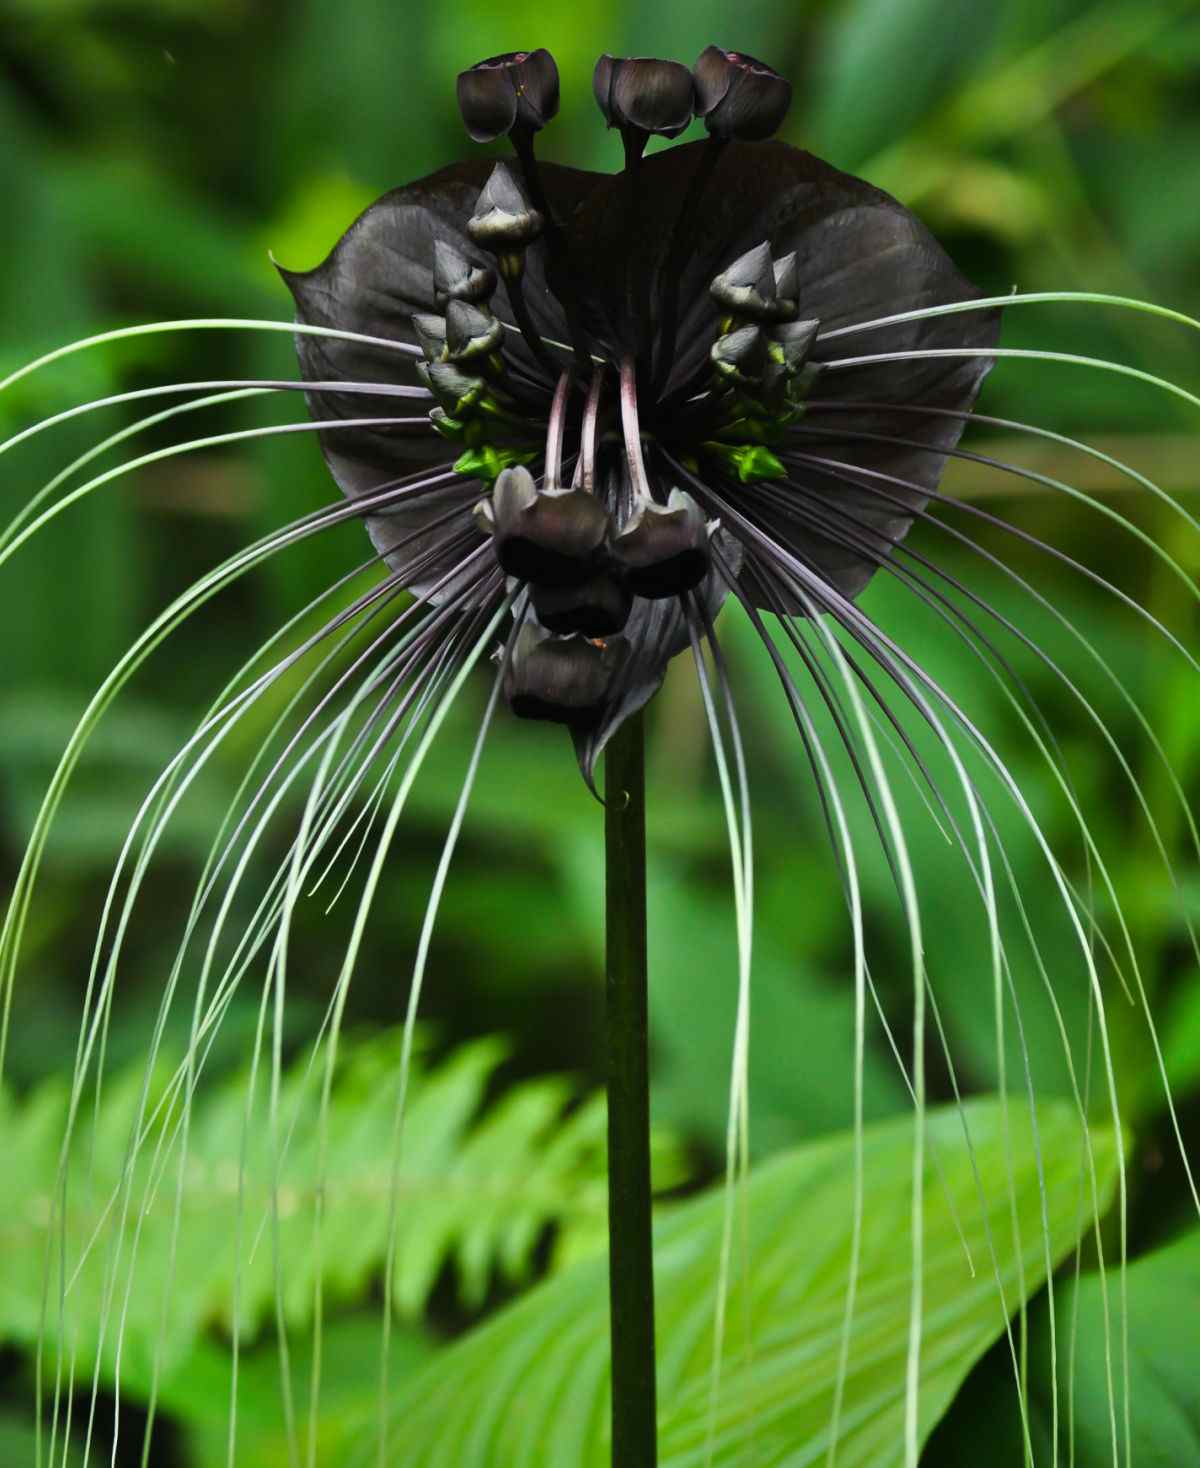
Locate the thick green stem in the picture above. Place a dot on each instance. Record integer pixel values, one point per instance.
(631, 1261)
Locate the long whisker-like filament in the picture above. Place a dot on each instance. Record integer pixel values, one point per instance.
(244, 435)
(1029, 354)
(875, 487)
(238, 386)
(410, 1025)
(753, 406)
(1017, 298)
(154, 1045)
(817, 596)
(737, 1143)
(843, 847)
(214, 323)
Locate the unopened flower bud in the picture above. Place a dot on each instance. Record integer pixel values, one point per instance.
(503, 93)
(739, 98)
(750, 462)
(787, 283)
(503, 220)
(470, 332)
(790, 342)
(430, 332)
(455, 278)
(740, 355)
(454, 429)
(788, 349)
(747, 287)
(644, 94)
(457, 391)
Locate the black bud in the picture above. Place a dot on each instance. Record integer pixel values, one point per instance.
(788, 349)
(787, 283)
(595, 608)
(567, 680)
(740, 355)
(644, 94)
(456, 279)
(747, 287)
(431, 335)
(739, 98)
(792, 341)
(550, 537)
(516, 90)
(504, 219)
(455, 390)
(470, 332)
(663, 550)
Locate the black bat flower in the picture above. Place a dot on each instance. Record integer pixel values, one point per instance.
(577, 413)
(621, 370)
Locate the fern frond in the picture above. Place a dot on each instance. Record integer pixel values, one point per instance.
(478, 1190)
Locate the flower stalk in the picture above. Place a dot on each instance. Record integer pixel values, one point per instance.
(631, 1260)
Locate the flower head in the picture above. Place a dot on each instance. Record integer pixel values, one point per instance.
(621, 364)
(577, 414)
(739, 97)
(518, 90)
(644, 95)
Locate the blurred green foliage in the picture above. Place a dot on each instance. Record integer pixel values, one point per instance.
(780, 1380)
(152, 153)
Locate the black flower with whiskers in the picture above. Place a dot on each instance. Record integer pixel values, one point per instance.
(623, 375)
(578, 412)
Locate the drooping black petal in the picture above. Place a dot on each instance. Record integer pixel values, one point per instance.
(378, 275)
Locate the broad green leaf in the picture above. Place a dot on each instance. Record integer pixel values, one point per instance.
(1181, 1045)
(1163, 1291)
(531, 1388)
(1164, 1359)
(18, 1441)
